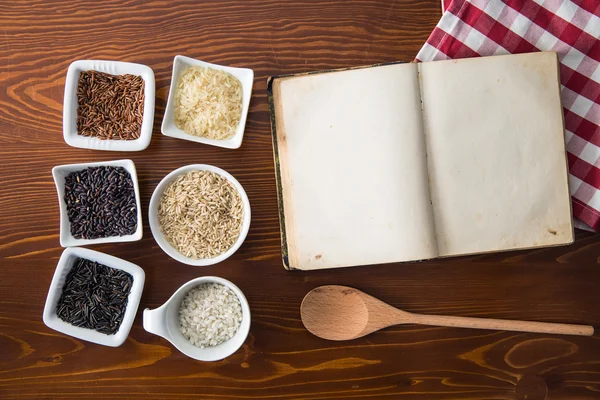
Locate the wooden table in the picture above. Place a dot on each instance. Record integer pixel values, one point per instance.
(280, 359)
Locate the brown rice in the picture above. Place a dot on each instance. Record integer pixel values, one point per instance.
(200, 214)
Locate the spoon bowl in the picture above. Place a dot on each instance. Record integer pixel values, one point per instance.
(335, 312)
(342, 313)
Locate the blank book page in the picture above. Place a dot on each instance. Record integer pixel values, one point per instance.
(352, 158)
(496, 153)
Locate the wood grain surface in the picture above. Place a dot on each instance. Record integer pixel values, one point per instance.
(280, 359)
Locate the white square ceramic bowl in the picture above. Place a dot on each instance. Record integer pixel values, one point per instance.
(155, 225)
(246, 77)
(70, 105)
(59, 174)
(66, 262)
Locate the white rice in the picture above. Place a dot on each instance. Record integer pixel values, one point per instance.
(208, 103)
(210, 314)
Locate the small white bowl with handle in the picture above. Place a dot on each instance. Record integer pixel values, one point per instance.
(164, 322)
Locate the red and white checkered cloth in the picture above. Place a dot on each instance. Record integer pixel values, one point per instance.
(471, 28)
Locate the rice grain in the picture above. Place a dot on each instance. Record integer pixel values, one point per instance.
(110, 107)
(208, 103)
(200, 214)
(209, 315)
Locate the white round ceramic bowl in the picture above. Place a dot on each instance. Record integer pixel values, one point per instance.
(164, 322)
(155, 226)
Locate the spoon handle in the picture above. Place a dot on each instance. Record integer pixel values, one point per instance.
(503, 325)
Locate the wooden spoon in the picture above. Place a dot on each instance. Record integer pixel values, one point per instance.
(343, 313)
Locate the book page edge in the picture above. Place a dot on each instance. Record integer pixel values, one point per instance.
(279, 147)
(564, 141)
(512, 249)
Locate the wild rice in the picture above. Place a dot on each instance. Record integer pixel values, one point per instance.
(208, 103)
(200, 214)
(209, 315)
(94, 296)
(110, 106)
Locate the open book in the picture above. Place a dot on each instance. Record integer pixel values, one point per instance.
(405, 162)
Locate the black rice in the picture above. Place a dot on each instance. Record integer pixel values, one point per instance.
(94, 296)
(101, 202)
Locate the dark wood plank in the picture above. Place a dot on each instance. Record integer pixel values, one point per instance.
(280, 359)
